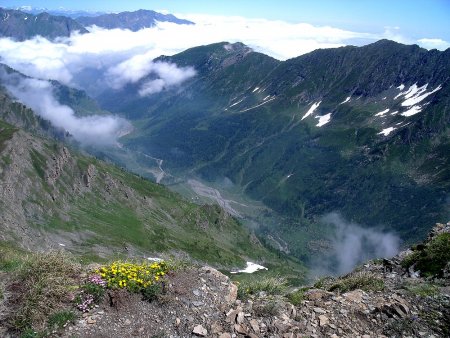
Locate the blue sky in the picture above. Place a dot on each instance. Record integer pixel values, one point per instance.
(415, 19)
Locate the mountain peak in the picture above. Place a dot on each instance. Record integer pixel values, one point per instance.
(22, 26)
(133, 21)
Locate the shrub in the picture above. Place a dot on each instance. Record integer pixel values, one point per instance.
(431, 259)
(269, 285)
(40, 288)
(357, 280)
(296, 297)
(59, 319)
(134, 277)
(422, 289)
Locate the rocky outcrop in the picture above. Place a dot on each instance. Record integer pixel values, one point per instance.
(202, 302)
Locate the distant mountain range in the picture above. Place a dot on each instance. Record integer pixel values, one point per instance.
(133, 21)
(22, 26)
(29, 22)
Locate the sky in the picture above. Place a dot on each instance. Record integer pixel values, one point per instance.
(414, 19)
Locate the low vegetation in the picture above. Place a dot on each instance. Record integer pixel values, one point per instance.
(363, 280)
(430, 259)
(45, 291)
(40, 288)
(267, 285)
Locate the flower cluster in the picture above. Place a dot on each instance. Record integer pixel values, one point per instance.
(85, 303)
(133, 276)
(97, 280)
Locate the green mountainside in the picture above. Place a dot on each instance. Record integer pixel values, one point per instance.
(52, 197)
(22, 26)
(244, 117)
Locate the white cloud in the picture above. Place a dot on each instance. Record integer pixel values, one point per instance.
(120, 56)
(169, 75)
(434, 43)
(38, 95)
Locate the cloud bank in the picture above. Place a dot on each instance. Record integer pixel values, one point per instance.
(352, 245)
(118, 57)
(38, 95)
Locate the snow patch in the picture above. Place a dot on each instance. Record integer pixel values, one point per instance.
(236, 103)
(311, 110)
(346, 100)
(384, 98)
(258, 105)
(154, 259)
(401, 87)
(411, 101)
(381, 113)
(323, 119)
(267, 97)
(412, 111)
(387, 131)
(254, 90)
(251, 268)
(60, 244)
(394, 112)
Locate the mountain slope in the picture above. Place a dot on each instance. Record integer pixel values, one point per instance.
(310, 135)
(22, 26)
(133, 21)
(51, 196)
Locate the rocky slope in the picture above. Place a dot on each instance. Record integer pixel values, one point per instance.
(392, 302)
(22, 26)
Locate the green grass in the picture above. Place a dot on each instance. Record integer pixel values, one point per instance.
(41, 289)
(6, 133)
(256, 284)
(422, 289)
(430, 259)
(61, 318)
(356, 280)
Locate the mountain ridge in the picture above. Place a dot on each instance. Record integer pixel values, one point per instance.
(22, 26)
(133, 21)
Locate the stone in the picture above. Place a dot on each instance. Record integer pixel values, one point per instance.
(240, 329)
(225, 335)
(319, 310)
(90, 320)
(323, 320)
(216, 328)
(199, 330)
(127, 322)
(231, 316)
(232, 294)
(240, 318)
(354, 296)
(254, 325)
(317, 294)
(177, 322)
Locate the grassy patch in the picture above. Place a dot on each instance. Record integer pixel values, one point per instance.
(357, 280)
(430, 259)
(40, 289)
(6, 132)
(10, 257)
(296, 297)
(268, 285)
(61, 318)
(422, 289)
